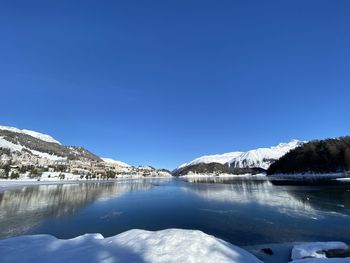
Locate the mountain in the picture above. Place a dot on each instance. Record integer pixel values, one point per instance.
(238, 162)
(28, 143)
(216, 158)
(29, 154)
(38, 135)
(214, 169)
(263, 157)
(318, 156)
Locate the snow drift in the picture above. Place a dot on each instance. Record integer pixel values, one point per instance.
(171, 245)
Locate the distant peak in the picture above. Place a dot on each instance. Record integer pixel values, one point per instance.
(260, 157)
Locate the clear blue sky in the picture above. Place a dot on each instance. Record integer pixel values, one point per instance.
(162, 82)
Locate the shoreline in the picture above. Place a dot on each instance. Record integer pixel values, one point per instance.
(305, 177)
(6, 184)
(309, 176)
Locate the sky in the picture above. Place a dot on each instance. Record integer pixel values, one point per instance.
(163, 82)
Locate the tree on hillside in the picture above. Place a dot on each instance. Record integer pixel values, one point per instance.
(330, 155)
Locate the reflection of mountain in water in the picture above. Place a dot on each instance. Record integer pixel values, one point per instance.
(285, 200)
(21, 209)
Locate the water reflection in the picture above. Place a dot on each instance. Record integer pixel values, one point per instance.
(249, 212)
(21, 209)
(241, 211)
(294, 201)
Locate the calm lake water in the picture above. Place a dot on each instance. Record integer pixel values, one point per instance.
(243, 212)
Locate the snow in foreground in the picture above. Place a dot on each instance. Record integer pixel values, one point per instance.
(312, 252)
(171, 245)
(316, 249)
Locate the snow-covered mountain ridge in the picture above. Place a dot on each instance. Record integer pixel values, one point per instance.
(216, 158)
(35, 147)
(263, 157)
(38, 135)
(256, 158)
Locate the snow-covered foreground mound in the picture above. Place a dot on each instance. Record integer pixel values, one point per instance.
(171, 245)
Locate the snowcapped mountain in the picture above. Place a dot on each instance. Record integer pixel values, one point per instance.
(257, 158)
(38, 135)
(216, 158)
(111, 161)
(263, 157)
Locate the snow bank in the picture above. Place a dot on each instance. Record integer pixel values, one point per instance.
(346, 179)
(316, 249)
(171, 245)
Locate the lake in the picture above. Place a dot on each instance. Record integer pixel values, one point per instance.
(241, 211)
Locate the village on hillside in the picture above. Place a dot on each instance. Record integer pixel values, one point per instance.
(22, 165)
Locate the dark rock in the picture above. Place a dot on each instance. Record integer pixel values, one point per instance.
(338, 253)
(267, 251)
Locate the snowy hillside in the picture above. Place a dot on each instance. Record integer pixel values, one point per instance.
(257, 158)
(38, 135)
(216, 158)
(111, 161)
(30, 147)
(17, 147)
(263, 157)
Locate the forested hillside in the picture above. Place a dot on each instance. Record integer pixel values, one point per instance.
(319, 156)
(215, 168)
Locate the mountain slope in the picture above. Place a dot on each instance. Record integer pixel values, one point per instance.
(214, 169)
(24, 142)
(236, 162)
(263, 157)
(38, 135)
(216, 158)
(319, 156)
(112, 161)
